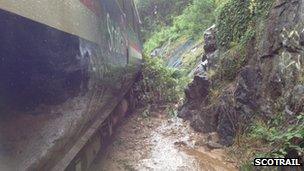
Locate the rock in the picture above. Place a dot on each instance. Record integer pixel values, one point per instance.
(213, 59)
(227, 119)
(297, 99)
(288, 111)
(213, 145)
(284, 16)
(210, 39)
(210, 47)
(302, 38)
(188, 111)
(200, 69)
(237, 106)
(204, 121)
(198, 89)
(213, 137)
(155, 52)
(246, 93)
(273, 66)
(201, 142)
(275, 85)
(297, 93)
(180, 143)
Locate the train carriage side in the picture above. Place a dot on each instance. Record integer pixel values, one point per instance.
(62, 65)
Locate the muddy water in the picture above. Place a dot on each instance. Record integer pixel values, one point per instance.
(162, 144)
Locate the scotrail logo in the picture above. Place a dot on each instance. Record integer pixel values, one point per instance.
(276, 162)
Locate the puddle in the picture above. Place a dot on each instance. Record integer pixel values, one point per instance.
(159, 144)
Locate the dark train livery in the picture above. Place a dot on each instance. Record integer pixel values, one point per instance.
(64, 67)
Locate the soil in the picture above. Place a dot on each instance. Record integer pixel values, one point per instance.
(159, 142)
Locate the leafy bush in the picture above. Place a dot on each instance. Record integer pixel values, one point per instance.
(233, 21)
(160, 84)
(194, 20)
(236, 17)
(279, 136)
(231, 63)
(158, 14)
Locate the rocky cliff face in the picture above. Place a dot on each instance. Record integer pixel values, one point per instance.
(270, 78)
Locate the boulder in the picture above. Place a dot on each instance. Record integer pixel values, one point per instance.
(213, 137)
(204, 120)
(247, 91)
(274, 64)
(210, 47)
(210, 40)
(198, 89)
(227, 119)
(196, 92)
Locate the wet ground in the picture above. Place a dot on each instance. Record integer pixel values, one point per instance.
(160, 143)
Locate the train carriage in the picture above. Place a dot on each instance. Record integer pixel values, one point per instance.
(64, 65)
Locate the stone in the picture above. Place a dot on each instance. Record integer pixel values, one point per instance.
(155, 52)
(213, 137)
(284, 16)
(210, 47)
(227, 120)
(201, 142)
(200, 69)
(297, 99)
(302, 38)
(210, 39)
(273, 65)
(298, 93)
(180, 143)
(198, 89)
(213, 59)
(213, 145)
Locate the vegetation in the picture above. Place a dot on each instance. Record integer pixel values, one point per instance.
(278, 136)
(275, 138)
(196, 18)
(230, 64)
(158, 14)
(160, 84)
(237, 23)
(237, 20)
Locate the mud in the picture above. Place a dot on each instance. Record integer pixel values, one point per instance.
(160, 143)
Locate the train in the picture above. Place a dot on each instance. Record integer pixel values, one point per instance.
(66, 68)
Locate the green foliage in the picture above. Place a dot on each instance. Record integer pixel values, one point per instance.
(158, 14)
(166, 34)
(279, 136)
(160, 84)
(236, 17)
(233, 21)
(260, 8)
(231, 63)
(194, 20)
